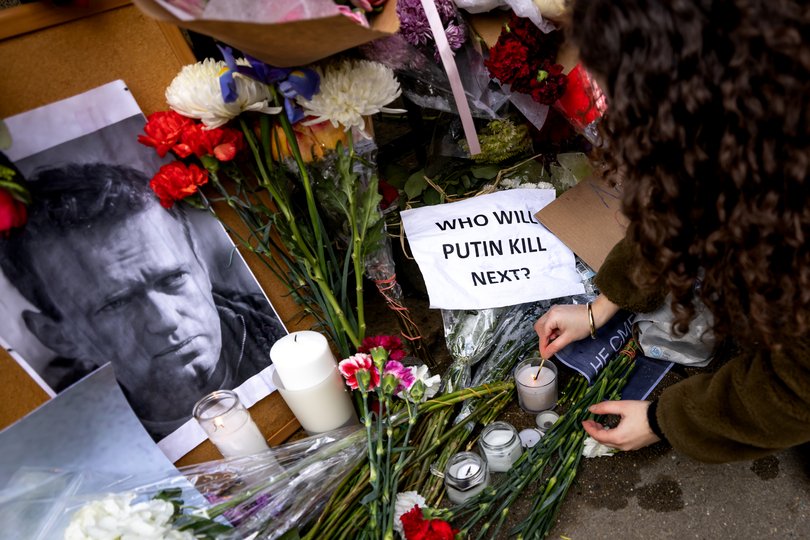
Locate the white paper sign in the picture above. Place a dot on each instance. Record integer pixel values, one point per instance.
(489, 251)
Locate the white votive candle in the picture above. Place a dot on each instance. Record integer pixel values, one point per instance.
(465, 476)
(536, 391)
(302, 358)
(322, 406)
(229, 425)
(501, 446)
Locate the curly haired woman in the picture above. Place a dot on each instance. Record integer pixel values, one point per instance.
(707, 134)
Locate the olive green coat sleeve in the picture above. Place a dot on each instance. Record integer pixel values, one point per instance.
(613, 280)
(757, 403)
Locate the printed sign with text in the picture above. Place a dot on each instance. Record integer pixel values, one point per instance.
(489, 251)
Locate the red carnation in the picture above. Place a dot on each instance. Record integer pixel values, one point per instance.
(416, 527)
(163, 129)
(392, 344)
(222, 143)
(176, 181)
(13, 213)
(551, 87)
(508, 62)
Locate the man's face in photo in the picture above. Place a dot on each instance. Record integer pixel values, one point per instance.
(134, 293)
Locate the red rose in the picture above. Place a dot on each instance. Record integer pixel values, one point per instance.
(416, 527)
(176, 181)
(163, 129)
(13, 213)
(222, 143)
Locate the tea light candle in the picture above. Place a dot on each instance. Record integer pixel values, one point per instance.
(501, 446)
(546, 419)
(536, 391)
(465, 476)
(229, 425)
(530, 437)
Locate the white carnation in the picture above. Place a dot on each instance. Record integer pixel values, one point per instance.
(195, 92)
(349, 91)
(422, 373)
(592, 449)
(404, 503)
(116, 517)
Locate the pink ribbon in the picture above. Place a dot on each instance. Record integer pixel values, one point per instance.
(446, 54)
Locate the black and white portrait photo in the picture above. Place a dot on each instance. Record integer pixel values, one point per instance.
(103, 273)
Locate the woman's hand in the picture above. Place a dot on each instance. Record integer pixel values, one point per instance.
(564, 324)
(633, 431)
(561, 325)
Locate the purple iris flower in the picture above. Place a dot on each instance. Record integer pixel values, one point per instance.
(291, 82)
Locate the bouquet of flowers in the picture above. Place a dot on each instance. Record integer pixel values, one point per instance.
(396, 402)
(262, 495)
(278, 146)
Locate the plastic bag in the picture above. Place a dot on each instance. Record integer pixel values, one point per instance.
(265, 494)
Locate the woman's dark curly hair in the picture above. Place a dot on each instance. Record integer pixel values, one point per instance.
(707, 128)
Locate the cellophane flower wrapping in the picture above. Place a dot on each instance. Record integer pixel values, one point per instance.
(264, 494)
(425, 83)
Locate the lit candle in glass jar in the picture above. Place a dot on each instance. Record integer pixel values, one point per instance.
(536, 390)
(229, 425)
(501, 446)
(465, 476)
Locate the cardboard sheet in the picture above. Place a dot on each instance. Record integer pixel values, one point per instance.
(588, 219)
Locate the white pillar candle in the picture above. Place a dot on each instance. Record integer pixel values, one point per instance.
(501, 446)
(536, 391)
(302, 359)
(465, 476)
(229, 425)
(322, 406)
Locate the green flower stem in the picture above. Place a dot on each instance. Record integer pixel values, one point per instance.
(358, 255)
(292, 141)
(314, 261)
(560, 450)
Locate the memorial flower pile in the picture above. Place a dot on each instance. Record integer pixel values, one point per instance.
(525, 58)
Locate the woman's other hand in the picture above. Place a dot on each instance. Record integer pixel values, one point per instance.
(564, 324)
(633, 431)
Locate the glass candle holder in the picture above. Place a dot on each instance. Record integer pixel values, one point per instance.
(546, 419)
(228, 424)
(536, 391)
(501, 446)
(465, 476)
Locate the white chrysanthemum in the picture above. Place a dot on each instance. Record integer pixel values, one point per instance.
(116, 517)
(404, 503)
(592, 449)
(195, 92)
(349, 91)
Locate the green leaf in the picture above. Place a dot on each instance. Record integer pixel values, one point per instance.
(432, 197)
(416, 184)
(394, 174)
(485, 172)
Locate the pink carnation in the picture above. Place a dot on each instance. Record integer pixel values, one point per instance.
(354, 364)
(405, 375)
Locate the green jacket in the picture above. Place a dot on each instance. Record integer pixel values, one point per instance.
(756, 403)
